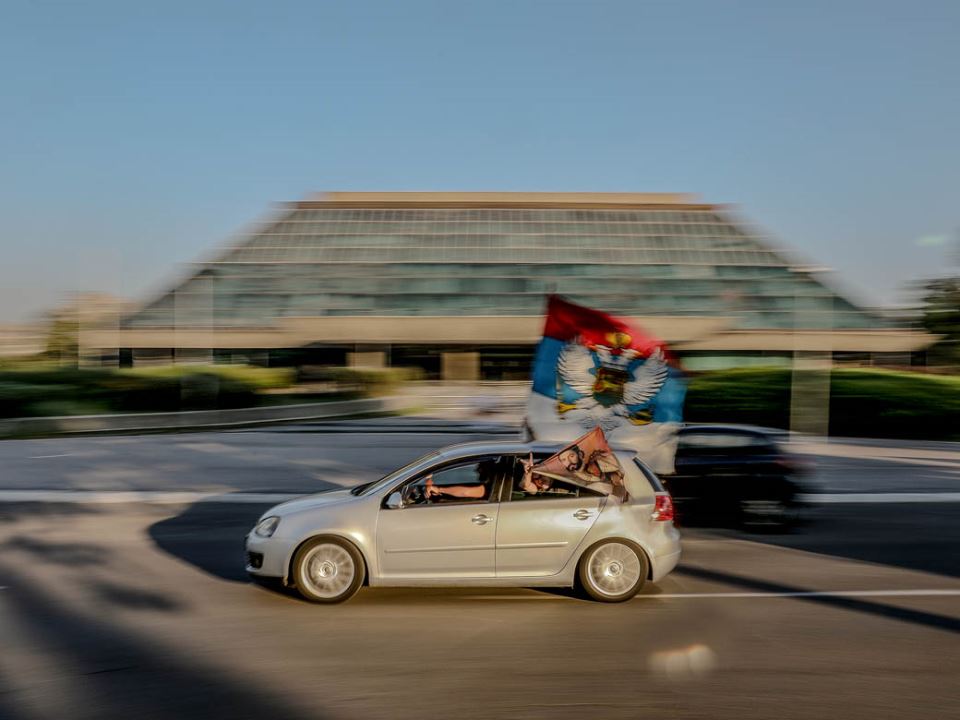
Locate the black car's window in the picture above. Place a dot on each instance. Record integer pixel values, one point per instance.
(459, 483)
(720, 441)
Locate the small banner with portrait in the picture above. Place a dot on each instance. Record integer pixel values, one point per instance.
(587, 462)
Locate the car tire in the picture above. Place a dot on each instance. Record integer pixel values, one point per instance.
(327, 570)
(612, 571)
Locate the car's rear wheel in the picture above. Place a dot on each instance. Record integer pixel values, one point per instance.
(328, 570)
(612, 571)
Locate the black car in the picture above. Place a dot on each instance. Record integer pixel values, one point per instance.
(734, 475)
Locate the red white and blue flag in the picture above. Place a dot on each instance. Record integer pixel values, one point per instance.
(595, 370)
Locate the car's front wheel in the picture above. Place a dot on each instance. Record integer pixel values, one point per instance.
(327, 570)
(612, 571)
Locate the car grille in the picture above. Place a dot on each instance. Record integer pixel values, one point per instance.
(255, 560)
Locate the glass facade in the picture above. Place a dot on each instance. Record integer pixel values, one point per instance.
(332, 261)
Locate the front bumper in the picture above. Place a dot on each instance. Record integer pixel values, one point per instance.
(267, 557)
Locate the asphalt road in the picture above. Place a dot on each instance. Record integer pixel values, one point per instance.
(316, 456)
(143, 610)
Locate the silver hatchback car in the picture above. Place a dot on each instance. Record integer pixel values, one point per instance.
(458, 517)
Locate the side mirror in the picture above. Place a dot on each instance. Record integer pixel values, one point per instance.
(394, 501)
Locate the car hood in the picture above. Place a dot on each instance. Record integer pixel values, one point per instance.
(310, 502)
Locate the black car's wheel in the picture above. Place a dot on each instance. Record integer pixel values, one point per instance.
(328, 570)
(612, 571)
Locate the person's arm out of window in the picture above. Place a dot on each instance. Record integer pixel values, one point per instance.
(463, 491)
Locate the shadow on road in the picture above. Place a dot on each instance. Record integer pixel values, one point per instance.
(123, 674)
(913, 536)
(14, 511)
(933, 620)
(210, 536)
(69, 554)
(134, 598)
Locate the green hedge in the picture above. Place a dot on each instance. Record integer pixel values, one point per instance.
(54, 391)
(361, 381)
(863, 403)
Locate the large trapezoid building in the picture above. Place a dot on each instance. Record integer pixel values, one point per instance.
(456, 283)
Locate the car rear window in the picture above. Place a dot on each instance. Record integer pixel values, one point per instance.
(650, 476)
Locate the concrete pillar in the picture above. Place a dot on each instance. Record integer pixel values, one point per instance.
(192, 311)
(460, 366)
(376, 359)
(151, 357)
(810, 392)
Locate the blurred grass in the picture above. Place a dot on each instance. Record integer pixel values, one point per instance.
(863, 402)
(45, 389)
(363, 382)
(48, 390)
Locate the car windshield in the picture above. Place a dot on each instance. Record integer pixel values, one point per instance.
(368, 488)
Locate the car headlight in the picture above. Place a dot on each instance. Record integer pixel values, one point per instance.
(267, 527)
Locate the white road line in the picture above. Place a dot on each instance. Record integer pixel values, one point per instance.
(739, 595)
(823, 593)
(41, 457)
(887, 497)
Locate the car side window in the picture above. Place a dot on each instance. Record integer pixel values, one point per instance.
(464, 483)
(545, 488)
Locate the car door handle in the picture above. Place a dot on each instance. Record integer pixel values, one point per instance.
(480, 519)
(583, 514)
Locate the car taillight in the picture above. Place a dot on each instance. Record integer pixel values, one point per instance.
(663, 507)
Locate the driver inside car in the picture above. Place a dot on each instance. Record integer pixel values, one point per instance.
(485, 472)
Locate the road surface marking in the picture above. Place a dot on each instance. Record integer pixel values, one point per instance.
(738, 595)
(41, 457)
(818, 593)
(918, 456)
(886, 497)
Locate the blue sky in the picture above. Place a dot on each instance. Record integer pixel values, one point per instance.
(135, 136)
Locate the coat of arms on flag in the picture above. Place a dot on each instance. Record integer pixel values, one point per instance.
(595, 370)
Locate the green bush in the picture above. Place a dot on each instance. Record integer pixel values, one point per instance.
(257, 378)
(863, 403)
(41, 391)
(362, 381)
(875, 403)
(17, 396)
(752, 396)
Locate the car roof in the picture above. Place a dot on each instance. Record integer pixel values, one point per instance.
(509, 447)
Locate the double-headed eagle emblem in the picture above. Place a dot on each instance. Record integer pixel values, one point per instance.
(612, 382)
